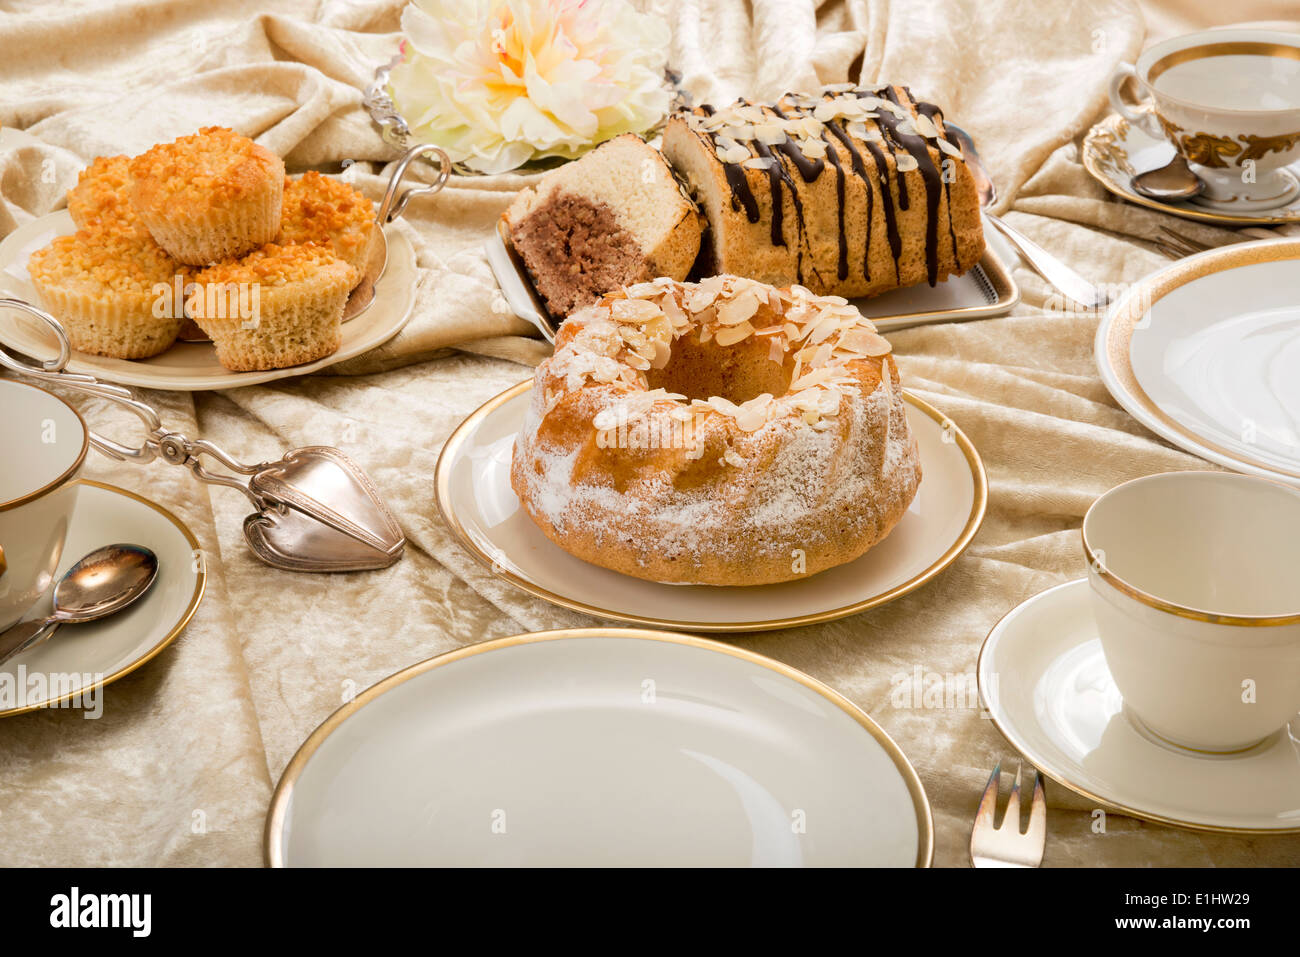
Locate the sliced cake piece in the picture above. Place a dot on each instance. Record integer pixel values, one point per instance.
(848, 191)
(615, 217)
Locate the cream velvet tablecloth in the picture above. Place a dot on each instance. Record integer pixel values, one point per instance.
(210, 724)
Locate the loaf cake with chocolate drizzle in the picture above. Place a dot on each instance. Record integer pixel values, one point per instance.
(615, 217)
(848, 192)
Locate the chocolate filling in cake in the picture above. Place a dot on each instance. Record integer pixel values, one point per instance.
(579, 250)
(615, 217)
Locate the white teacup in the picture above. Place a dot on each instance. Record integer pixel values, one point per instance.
(1196, 589)
(43, 443)
(1229, 101)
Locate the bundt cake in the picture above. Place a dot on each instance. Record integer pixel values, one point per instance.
(849, 191)
(615, 217)
(722, 433)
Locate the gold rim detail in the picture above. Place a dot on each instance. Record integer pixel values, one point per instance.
(1143, 296)
(462, 432)
(277, 813)
(1162, 604)
(1234, 48)
(1106, 159)
(67, 473)
(1079, 789)
(199, 586)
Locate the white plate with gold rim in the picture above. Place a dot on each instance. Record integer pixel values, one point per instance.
(1205, 352)
(1115, 150)
(71, 668)
(599, 747)
(1044, 681)
(474, 494)
(191, 366)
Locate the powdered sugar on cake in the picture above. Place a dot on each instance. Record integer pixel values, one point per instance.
(608, 461)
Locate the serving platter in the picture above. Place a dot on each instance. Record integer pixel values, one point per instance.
(193, 366)
(478, 504)
(1205, 352)
(604, 748)
(984, 291)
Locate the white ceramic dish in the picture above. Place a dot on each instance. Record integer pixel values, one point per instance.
(474, 493)
(1193, 578)
(79, 657)
(1229, 101)
(599, 747)
(1044, 681)
(1115, 150)
(193, 367)
(1204, 354)
(43, 445)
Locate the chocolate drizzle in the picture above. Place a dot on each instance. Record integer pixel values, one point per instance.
(915, 144)
(809, 169)
(936, 116)
(741, 194)
(891, 228)
(842, 267)
(776, 175)
(894, 138)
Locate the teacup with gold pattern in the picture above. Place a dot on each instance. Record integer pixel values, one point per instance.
(1229, 101)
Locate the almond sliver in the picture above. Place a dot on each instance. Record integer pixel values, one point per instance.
(730, 335)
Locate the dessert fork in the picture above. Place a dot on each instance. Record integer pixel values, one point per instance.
(1006, 846)
(1177, 246)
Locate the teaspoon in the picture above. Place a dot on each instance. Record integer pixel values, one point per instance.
(102, 583)
(1169, 183)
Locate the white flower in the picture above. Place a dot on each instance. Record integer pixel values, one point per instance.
(496, 83)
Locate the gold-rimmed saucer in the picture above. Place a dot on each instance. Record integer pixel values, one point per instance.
(1044, 682)
(71, 669)
(478, 504)
(1203, 353)
(1115, 150)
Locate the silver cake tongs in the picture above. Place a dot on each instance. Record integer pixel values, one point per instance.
(316, 510)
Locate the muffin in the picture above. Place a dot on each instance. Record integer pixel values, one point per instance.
(323, 210)
(277, 307)
(114, 292)
(102, 197)
(208, 197)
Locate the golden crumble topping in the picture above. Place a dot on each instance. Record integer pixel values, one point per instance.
(102, 197)
(206, 169)
(276, 265)
(321, 209)
(119, 261)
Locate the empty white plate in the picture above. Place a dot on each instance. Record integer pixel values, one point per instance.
(1044, 680)
(193, 366)
(1205, 353)
(599, 747)
(67, 669)
(474, 493)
